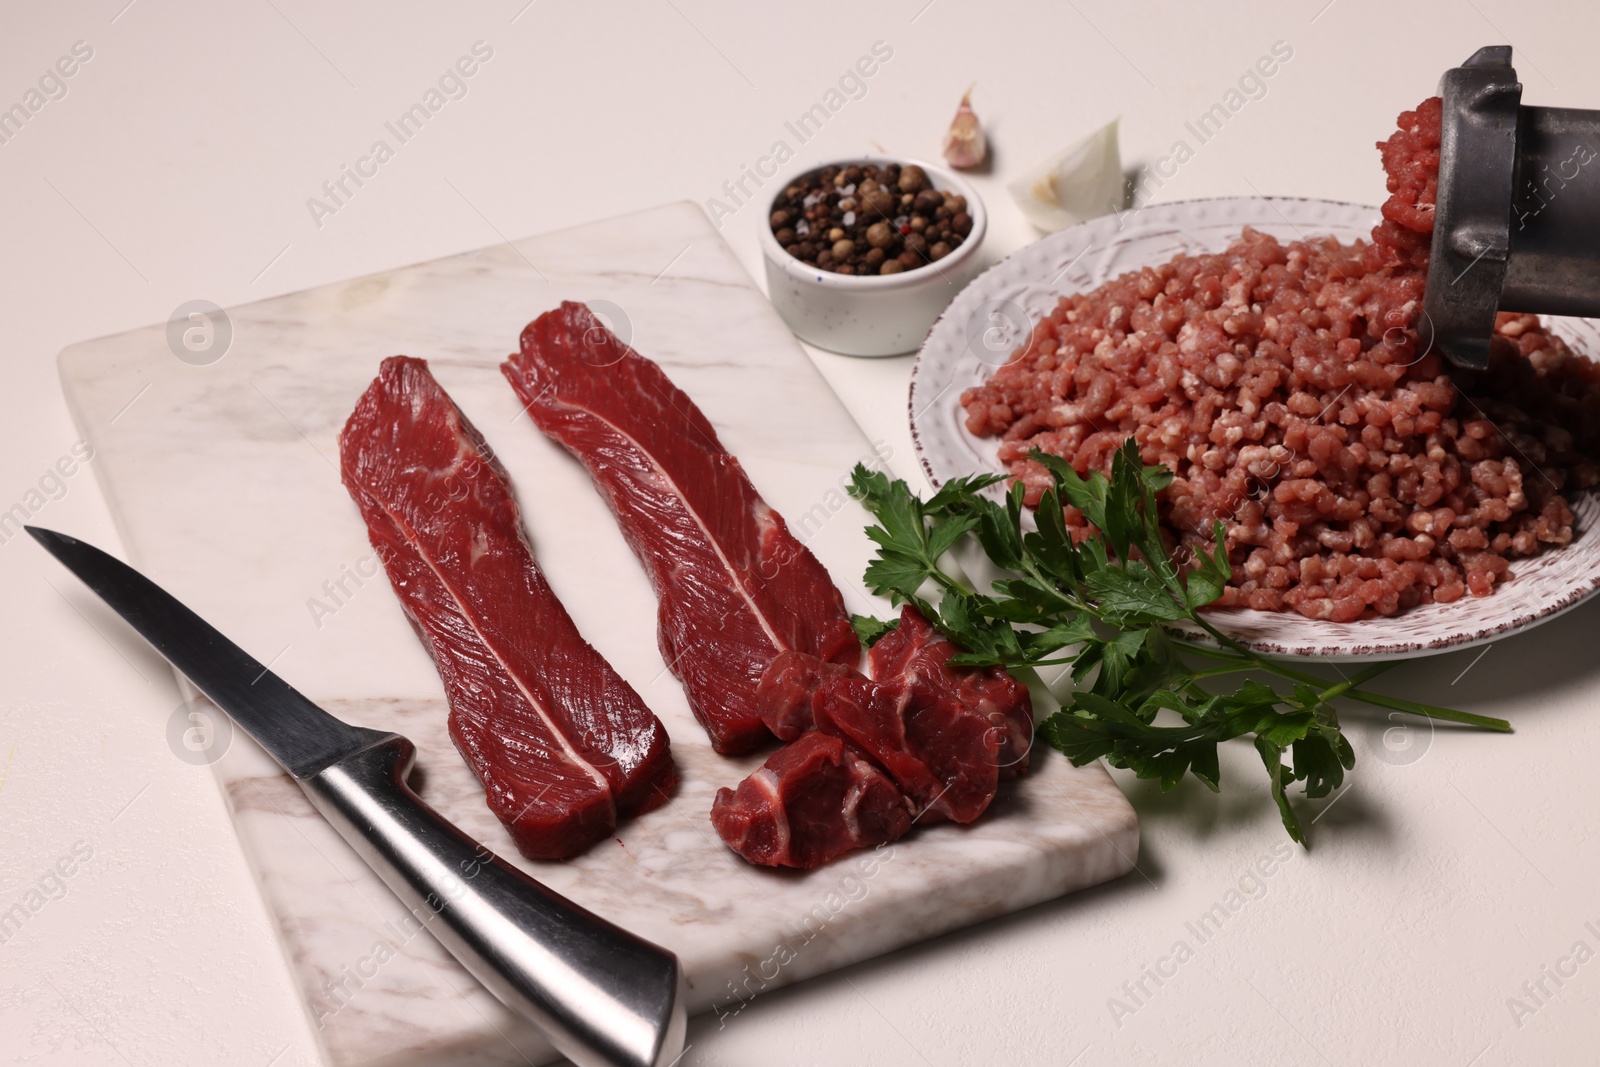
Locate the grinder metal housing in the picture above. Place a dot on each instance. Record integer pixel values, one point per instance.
(1517, 221)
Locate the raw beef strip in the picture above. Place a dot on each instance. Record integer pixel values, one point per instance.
(735, 586)
(564, 747)
(811, 801)
(916, 652)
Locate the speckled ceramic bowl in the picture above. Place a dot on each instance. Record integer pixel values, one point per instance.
(986, 322)
(872, 315)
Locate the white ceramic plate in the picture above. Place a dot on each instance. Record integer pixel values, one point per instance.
(989, 318)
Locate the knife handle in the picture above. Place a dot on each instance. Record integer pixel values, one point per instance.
(602, 996)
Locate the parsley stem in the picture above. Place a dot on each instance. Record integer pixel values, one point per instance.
(1430, 711)
(1215, 672)
(1340, 689)
(1207, 650)
(943, 580)
(1350, 689)
(1344, 687)
(1256, 659)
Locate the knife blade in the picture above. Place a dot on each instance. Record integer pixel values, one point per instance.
(603, 997)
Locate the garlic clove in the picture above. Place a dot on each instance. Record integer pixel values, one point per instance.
(965, 145)
(1080, 182)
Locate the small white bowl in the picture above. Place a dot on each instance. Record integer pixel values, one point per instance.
(876, 314)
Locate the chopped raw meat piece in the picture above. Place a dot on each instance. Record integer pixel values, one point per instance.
(946, 735)
(811, 801)
(917, 653)
(944, 756)
(735, 586)
(562, 744)
(788, 689)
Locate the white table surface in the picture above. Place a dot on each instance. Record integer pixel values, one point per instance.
(1444, 914)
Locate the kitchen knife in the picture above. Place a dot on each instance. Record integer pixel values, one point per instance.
(601, 995)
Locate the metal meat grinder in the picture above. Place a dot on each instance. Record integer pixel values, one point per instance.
(1517, 222)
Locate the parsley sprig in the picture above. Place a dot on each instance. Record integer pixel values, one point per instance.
(1111, 607)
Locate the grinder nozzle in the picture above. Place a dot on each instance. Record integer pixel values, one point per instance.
(1517, 218)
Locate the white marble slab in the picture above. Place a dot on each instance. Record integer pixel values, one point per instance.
(223, 481)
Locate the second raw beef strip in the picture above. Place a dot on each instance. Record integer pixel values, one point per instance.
(811, 801)
(735, 587)
(563, 745)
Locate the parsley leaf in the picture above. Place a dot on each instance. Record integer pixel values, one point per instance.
(869, 629)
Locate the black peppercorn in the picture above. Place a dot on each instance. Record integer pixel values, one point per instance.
(868, 218)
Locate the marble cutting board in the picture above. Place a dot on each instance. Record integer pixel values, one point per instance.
(222, 478)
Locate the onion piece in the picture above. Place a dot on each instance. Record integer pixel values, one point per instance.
(1080, 182)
